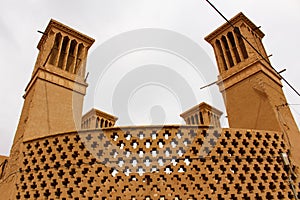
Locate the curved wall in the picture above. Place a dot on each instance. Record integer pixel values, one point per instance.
(155, 162)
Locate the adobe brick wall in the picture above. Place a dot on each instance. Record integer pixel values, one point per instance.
(210, 164)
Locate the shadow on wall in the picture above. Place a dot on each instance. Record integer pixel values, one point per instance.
(3, 162)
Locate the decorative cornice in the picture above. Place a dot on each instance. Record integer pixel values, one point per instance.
(55, 24)
(239, 17)
(226, 81)
(46, 75)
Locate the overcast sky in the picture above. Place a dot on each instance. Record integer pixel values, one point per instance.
(20, 20)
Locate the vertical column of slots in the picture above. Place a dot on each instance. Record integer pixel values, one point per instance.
(227, 51)
(221, 57)
(71, 56)
(201, 118)
(55, 49)
(102, 123)
(241, 42)
(79, 60)
(197, 119)
(238, 48)
(66, 56)
(188, 120)
(63, 52)
(233, 49)
(97, 122)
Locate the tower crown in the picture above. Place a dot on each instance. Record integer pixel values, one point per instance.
(97, 119)
(63, 48)
(233, 45)
(229, 45)
(202, 114)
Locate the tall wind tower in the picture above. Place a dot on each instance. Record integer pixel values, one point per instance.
(251, 89)
(53, 98)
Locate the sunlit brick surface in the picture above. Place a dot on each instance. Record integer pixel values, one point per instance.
(155, 162)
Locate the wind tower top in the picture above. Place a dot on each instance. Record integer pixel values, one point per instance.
(233, 52)
(64, 48)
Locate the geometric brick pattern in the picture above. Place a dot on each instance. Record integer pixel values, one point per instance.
(155, 162)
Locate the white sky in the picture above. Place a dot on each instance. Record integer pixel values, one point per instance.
(20, 20)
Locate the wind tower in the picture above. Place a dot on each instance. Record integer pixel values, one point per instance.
(251, 89)
(57, 86)
(55, 92)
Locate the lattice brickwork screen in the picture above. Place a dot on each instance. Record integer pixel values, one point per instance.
(168, 162)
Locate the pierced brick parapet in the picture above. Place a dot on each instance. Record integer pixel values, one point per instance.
(156, 162)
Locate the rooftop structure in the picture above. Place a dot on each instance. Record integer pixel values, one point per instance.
(59, 154)
(97, 119)
(202, 114)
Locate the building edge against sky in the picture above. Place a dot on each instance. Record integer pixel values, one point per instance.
(251, 90)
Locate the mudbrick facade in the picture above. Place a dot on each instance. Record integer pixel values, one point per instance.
(171, 162)
(58, 154)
